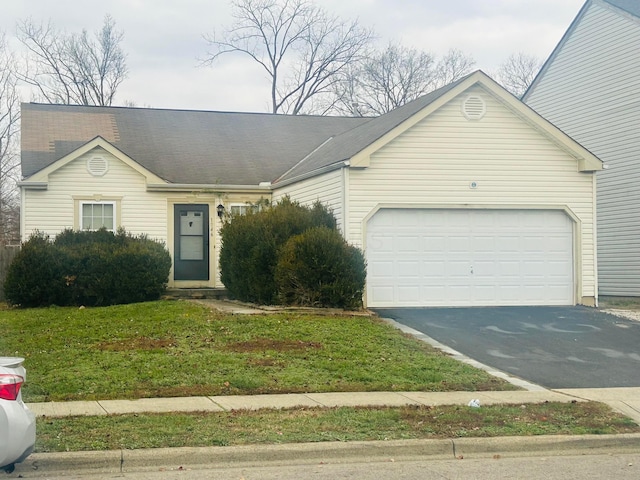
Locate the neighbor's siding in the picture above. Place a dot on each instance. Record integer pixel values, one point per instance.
(591, 90)
(434, 162)
(327, 188)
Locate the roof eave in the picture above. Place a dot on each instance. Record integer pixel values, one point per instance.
(33, 185)
(208, 188)
(311, 174)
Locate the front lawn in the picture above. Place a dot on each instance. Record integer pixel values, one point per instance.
(117, 432)
(179, 348)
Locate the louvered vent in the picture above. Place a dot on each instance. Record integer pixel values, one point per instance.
(473, 107)
(97, 166)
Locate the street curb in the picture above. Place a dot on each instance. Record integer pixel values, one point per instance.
(194, 458)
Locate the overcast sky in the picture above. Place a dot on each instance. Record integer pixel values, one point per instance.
(164, 41)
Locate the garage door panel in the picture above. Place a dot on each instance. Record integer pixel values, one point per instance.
(508, 243)
(484, 293)
(533, 244)
(558, 292)
(484, 268)
(381, 272)
(469, 257)
(484, 243)
(509, 268)
(460, 293)
(510, 294)
(458, 243)
(559, 269)
(381, 243)
(458, 269)
(408, 270)
(435, 244)
(407, 244)
(408, 294)
(383, 294)
(556, 244)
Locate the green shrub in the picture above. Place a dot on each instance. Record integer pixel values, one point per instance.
(36, 275)
(88, 268)
(319, 268)
(252, 245)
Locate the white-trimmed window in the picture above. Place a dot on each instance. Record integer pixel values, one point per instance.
(242, 208)
(96, 215)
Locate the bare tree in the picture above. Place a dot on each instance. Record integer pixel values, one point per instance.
(300, 46)
(390, 78)
(73, 68)
(454, 65)
(386, 80)
(9, 159)
(517, 72)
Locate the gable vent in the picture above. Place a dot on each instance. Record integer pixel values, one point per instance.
(473, 107)
(97, 165)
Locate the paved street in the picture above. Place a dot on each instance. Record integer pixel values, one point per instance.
(564, 467)
(556, 347)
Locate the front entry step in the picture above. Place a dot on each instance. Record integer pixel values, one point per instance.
(195, 293)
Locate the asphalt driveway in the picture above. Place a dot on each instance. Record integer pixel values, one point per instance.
(556, 347)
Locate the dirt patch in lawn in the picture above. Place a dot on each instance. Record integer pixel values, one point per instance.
(269, 344)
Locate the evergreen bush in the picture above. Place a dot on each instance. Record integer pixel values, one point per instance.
(252, 245)
(88, 268)
(36, 275)
(319, 268)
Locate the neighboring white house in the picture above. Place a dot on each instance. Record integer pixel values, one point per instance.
(590, 88)
(462, 197)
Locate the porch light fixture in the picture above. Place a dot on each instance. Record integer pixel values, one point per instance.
(220, 210)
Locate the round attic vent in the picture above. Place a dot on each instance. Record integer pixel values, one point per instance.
(473, 107)
(97, 165)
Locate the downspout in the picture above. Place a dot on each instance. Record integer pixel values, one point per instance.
(595, 239)
(345, 202)
(22, 214)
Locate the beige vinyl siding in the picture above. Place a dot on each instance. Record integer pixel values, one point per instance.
(591, 91)
(327, 188)
(138, 210)
(514, 166)
(53, 210)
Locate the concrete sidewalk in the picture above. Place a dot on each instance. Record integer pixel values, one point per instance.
(624, 400)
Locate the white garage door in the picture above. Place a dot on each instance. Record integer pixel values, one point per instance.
(469, 258)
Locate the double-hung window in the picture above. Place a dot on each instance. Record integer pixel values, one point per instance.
(242, 208)
(97, 215)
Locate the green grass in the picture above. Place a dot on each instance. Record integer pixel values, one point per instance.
(178, 348)
(318, 425)
(627, 303)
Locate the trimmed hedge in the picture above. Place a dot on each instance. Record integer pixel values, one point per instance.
(252, 246)
(87, 268)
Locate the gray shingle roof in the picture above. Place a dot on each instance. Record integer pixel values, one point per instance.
(180, 146)
(207, 148)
